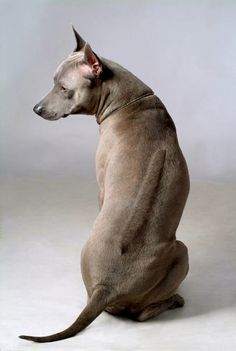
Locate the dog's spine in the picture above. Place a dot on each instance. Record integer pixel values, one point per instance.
(98, 302)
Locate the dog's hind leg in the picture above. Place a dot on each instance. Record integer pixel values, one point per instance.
(163, 296)
(154, 310)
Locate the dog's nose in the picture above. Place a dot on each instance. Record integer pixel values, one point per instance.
(38, 109)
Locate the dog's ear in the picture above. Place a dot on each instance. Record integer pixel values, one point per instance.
(80, 43)
(91, 59)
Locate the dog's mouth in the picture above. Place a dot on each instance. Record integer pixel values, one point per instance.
(52, 116)
(55, 118)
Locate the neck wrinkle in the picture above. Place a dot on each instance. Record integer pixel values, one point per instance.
(105, 116)
(119, 91)
(103, 103)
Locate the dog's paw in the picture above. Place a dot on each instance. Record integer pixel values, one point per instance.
(178, 301)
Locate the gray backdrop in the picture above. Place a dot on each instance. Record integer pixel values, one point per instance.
(185, 50)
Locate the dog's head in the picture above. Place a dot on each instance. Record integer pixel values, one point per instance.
(76, 85)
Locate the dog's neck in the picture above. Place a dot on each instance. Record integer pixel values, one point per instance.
(119, 89)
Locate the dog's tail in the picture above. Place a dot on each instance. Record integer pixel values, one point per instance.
(98, 302)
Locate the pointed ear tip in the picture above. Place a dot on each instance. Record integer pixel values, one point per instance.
(87, 46)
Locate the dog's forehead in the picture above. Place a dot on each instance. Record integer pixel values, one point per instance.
(66, 65)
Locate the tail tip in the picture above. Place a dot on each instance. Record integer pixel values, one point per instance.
(25, 337)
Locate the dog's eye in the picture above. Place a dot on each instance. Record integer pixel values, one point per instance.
(70, 94)
(63, 88)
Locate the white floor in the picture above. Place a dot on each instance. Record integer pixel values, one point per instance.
(44, 225)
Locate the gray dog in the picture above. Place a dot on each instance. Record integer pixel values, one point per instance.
(132, 263)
